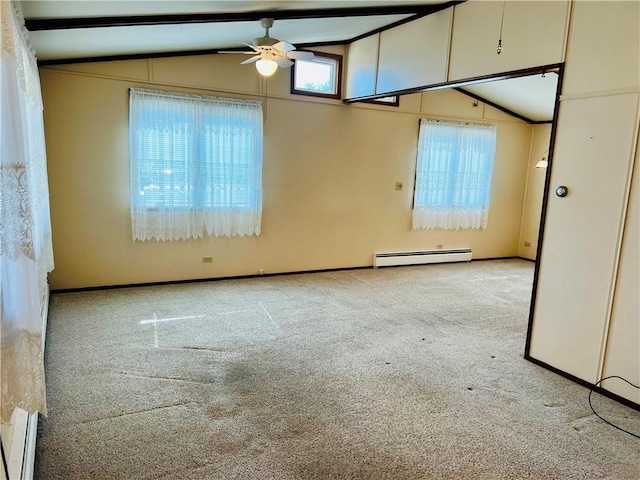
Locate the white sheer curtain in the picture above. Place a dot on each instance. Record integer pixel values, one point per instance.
(196, 165)
(453, 175)
(25, 231)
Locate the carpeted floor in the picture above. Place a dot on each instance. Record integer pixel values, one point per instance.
(394, 373)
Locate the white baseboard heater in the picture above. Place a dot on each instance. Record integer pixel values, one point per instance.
(421, 258)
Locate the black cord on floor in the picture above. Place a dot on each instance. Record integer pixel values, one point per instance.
(4, 461)
(607, 421)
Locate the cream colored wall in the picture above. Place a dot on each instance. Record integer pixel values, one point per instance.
(531, 212)
(329, 176)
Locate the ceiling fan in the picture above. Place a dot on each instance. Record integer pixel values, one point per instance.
(271, 53)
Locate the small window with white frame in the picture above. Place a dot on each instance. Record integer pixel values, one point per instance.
(319, 77)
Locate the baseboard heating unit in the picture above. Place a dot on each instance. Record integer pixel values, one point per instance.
(421, 258)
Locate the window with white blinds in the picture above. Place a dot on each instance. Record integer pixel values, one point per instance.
(196, 165)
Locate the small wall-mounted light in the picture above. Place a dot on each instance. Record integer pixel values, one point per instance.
(543, 162)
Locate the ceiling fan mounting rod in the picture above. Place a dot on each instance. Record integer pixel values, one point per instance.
(266, 23)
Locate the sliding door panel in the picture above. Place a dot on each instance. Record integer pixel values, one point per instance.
(593, 150)
(622, 356)
(362, 64)
(415, 54)
(533, 34)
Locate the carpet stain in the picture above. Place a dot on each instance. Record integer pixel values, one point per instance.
(217, 412)
(580, 424)
(239, 373)
(196, 464)
(226, 446)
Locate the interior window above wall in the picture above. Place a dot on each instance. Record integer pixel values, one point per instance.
(319, 77)
(391, 101)
(453, 175)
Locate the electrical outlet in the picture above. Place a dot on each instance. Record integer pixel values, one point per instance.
(527, 244)
(399, 186)
(207, 259)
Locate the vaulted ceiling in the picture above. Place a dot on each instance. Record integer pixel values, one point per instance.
(71, 31)
(79, 29)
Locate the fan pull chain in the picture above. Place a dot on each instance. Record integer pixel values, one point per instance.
(499, 47)
(266, 98)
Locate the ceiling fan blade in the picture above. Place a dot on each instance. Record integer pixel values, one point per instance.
(237, 52)
(251, 60)
(283, 62)
(256, 49)
(283, 46)
(300, 55)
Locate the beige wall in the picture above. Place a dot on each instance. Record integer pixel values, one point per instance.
(531, 212)
(329, 176)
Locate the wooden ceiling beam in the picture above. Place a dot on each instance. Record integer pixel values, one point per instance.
(35, 24)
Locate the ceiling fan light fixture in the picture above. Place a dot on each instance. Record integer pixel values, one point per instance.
(266, 67)
(270, 53)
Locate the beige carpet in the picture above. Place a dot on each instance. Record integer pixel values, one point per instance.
(394, 373)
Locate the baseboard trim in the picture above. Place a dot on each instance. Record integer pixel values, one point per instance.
(240, 277)
(199, 280)
(584, 383)
(527, 259)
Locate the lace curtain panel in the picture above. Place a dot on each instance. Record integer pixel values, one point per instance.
(26, 254)
(196, 165)
(453, 175)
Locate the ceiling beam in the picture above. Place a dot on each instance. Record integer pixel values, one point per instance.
(36, 24)
(493, 104)
(555, 68)
(181, 53)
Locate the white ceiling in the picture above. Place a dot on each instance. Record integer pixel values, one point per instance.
(98, 42)
(531, 97)
(74, 43)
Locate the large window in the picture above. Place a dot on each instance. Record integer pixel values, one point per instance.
(196, 165)
(453, 176)
(319, 77)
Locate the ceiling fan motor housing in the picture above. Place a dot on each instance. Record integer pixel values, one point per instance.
(265, 41)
